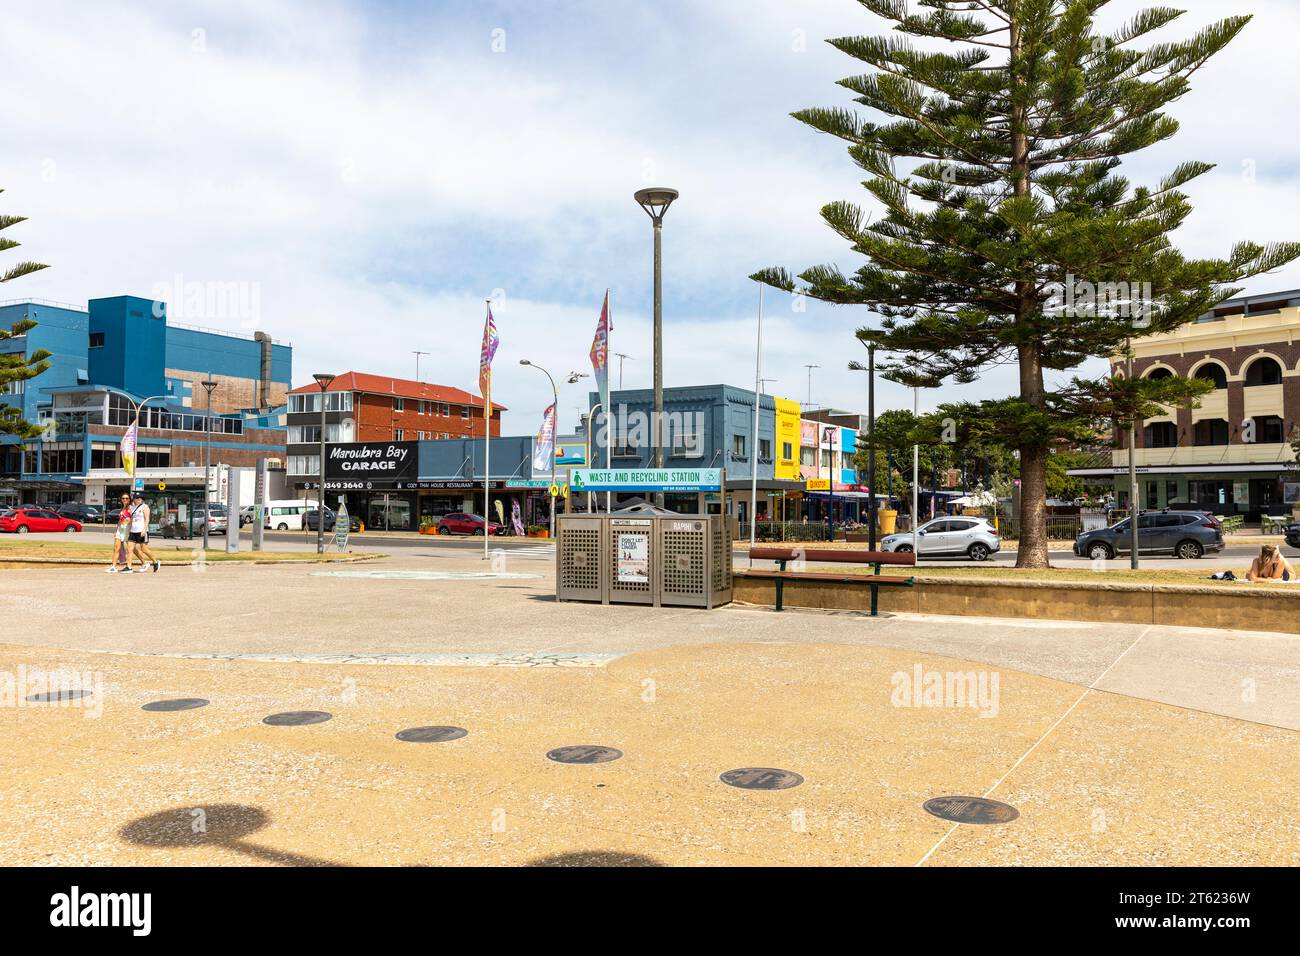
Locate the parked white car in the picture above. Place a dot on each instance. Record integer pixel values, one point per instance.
(974, 538)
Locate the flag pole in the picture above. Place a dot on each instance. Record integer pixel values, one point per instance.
(487, 450)
(753, 454)
(608, 437)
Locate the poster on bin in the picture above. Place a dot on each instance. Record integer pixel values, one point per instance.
(633, 559)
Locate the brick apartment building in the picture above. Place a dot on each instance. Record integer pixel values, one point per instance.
(360, 407)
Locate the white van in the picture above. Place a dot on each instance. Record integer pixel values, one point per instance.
(286, 515)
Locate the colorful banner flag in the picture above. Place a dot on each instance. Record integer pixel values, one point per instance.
(485, 355)
(544, 444)
(127, 447)
(600, 354)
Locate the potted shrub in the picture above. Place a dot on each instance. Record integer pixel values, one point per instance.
(538, 531)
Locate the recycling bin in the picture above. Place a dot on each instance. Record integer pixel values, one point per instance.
(655, 559)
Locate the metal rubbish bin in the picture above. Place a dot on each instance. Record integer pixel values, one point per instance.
(682, 560)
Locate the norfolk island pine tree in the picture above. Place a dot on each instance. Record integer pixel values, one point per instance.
(18, 367)
(997, 169)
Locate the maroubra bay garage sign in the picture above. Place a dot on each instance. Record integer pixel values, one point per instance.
(379, 461)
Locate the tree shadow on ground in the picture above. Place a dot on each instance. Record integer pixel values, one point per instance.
(595, 858)
(224, 825)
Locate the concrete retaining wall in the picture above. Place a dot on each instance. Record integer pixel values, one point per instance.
(1233, 607)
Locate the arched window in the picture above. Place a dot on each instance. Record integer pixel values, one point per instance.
(1213, 372)
(1263, 371)
(1156, 374)
(1212, 431)
(1161, 435)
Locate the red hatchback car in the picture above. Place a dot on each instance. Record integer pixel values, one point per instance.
(23, 520)
(467, 524)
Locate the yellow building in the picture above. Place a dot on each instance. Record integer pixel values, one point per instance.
(787, 440)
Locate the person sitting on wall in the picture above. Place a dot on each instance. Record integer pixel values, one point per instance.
(1270, 566)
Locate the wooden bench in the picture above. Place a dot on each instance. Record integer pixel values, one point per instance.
(875, 580)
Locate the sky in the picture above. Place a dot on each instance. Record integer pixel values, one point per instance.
(364, 176)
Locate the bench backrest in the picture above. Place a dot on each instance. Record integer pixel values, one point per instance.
(833, 556)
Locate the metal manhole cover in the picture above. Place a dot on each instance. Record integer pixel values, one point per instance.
(761, 778)
(54, 696)
(180, 703)
(971, 810)
(295, 718)
(431, 735)
(583, 754)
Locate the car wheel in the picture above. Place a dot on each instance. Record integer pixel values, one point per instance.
(1189, 549)
(978, 552)
(71, 529)
(904, 549)
(282, 527)
(22, 529)
(477, 532)
(443, 529)
(1100, 552)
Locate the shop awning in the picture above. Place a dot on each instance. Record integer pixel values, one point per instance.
(38, 484)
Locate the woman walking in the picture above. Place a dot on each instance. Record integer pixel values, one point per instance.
(121, 563)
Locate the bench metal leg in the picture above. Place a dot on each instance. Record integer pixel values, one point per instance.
(780, 592)
(875, 590)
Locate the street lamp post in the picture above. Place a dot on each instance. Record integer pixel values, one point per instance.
(208, 386)
(555, 396)
(323, 379)
(655, 201)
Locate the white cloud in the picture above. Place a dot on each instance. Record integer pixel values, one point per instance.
(377, 172)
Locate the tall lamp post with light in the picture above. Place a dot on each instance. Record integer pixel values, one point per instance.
(208, 386)
(323, 380)
(555, 398)
(655, 201)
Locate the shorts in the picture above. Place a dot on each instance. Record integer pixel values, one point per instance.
(137, 537)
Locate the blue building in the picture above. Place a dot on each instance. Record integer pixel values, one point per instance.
(109, 358)
(704, 426)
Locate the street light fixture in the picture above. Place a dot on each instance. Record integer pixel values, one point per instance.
(555, 395)
(208, 386)
(323, 380)
(655, 201)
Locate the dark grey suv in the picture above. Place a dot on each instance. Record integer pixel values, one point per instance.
(1184, 534)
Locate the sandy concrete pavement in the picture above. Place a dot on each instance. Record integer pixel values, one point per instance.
(1117, 744)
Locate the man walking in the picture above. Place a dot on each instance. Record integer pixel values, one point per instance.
(139, 536)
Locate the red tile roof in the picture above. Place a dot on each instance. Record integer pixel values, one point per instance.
(400, 387)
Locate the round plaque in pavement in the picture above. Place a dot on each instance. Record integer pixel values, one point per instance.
(971, 809)
(431, 735)
(584, 753)
(296, 718)
(54, 696)
(179, 703)
(761, 778)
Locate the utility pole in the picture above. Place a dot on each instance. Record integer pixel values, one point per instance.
(208, 385)
(1132, 471)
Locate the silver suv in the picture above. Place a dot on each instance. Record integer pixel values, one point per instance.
(1184, 534)
(973, 538)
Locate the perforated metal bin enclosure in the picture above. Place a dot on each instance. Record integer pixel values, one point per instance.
(694, 560)
(580, 557)
(635, 559)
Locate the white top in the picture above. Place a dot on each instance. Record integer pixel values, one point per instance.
(137, 519)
